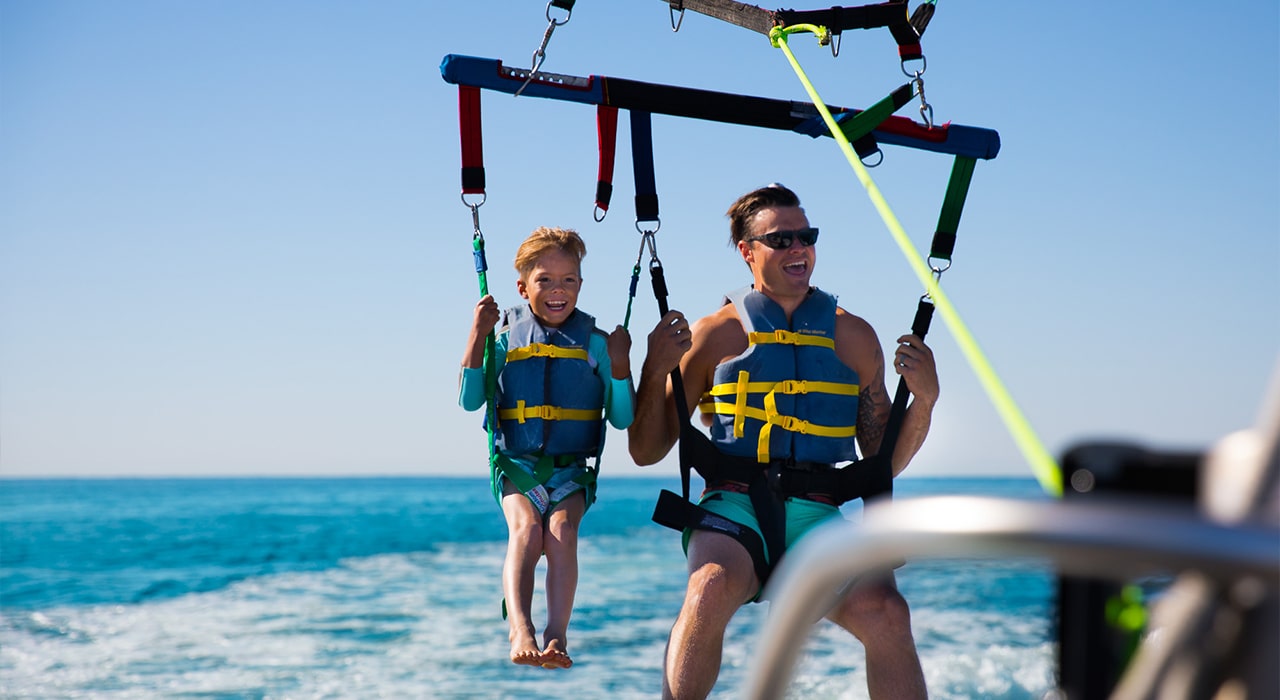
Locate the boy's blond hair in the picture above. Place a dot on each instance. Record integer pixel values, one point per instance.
(544, 239)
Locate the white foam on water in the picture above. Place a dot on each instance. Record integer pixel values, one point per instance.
(428, 624)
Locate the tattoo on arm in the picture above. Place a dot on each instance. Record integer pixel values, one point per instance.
(873, 411)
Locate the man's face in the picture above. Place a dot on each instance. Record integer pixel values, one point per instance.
(783, 271)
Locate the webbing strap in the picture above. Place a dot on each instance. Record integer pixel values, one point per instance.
(607, 138)
(790, 338)
(545, 350)
(523, 412)
(944, 239)
(770, 416)
(892, 428)
(642, 163)
(857, 126)
(789, 386)
(472, 148)
(791, 424)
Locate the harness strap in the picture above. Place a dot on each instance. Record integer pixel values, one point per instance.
(533, 485)
(680, 514)
(607, 139)
(472, 146)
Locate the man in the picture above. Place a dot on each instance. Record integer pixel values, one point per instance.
(735, 364)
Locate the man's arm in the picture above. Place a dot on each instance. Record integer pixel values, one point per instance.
(859, 347)
(913, 360)
(656, 427)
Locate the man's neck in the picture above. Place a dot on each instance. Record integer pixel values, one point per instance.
(788, 301)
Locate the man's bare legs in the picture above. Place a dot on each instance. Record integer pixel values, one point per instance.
(524, 548)
(875, 613)
(721, 578)
(561, 539)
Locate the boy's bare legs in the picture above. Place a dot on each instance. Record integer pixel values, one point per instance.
(561, 539)
(721, 578)
(524, 548)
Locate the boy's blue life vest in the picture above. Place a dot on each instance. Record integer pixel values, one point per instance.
(550, 399)
(788, 396)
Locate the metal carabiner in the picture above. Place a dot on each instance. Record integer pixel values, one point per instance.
(648, 239)
(540, 54)
(926, 109)
(475, 216)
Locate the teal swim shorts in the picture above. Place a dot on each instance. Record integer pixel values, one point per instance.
(802, 514)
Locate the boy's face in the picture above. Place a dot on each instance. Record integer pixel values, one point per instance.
(552, 287)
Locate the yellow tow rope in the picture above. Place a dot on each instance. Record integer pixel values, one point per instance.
(1042, 464)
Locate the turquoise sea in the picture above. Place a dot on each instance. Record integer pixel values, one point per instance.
(389, 588)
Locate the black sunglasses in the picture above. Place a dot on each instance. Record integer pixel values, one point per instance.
(781, 240)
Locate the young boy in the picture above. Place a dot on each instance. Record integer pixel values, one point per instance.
(559, 378)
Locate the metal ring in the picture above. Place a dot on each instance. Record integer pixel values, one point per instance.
(483, 197)
(566, 17)
(655, 228)
(598, 214)
(924, 64)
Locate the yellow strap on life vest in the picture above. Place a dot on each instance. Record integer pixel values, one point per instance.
(545, 350)
(770, 417)
(788, 386)
(791, 338)
(793, 425)
(522, 412)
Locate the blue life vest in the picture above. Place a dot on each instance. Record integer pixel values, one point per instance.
(788, 396)
(550, 399)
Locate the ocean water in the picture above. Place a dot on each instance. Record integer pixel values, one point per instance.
(390, 588)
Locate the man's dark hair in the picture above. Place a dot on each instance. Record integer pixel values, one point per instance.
(741, 211)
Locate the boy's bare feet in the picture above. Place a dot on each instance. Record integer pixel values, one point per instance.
(555, 656)
(524, 649)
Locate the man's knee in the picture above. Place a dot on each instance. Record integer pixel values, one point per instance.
(873, 610)
(716, 587)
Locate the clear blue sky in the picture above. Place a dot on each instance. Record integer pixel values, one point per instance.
(231, 240)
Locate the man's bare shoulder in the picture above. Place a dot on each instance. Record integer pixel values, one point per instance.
(853, 327)
(718, 335)
(718, 321)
